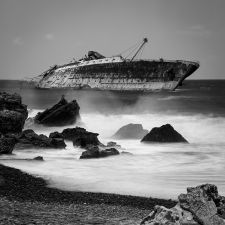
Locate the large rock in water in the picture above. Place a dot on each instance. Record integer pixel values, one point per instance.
(95, 152)
(61, 114)
(130, 131)
(165, 133)
(201, 205)
(29, 139)
(12, 113)
(81, 137)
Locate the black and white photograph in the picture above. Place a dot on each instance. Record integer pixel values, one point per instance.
(112, 112)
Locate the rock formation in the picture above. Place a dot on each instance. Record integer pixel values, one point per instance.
(95, 152)
(6, 145)
(202, 205)
(55, 134)
(205, 204)
(80, 137)
(12, 113)
(12, 118)
(130, 131)
(165, 133)
(38, 158)
(61, 114)
(29, 139)
(174, 216)
(113, 144)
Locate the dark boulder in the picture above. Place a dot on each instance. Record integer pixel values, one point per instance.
(56, 134)
(95, 152)
(92, 152)
(109, 152)
(130, 131)
(61, 114)
(6, 145)
(81, 137)
(12, 113)
(38, 158)
(165, 133)
(113, 144)
(29, 139)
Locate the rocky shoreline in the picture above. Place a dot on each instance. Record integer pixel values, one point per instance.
(26, 193)
(25, 199)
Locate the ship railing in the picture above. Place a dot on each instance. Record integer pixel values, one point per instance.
(170, 60)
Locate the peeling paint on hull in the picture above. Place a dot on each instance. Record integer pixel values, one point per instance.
(140, 75)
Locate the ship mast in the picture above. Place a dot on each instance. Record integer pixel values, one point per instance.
(145, 40)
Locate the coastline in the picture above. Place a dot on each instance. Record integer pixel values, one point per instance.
(26, 198)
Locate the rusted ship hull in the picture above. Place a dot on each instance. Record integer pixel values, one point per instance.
(140, 75)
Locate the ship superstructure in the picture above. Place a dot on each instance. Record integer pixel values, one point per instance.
(95, 71)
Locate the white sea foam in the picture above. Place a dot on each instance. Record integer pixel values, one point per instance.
(160, 170)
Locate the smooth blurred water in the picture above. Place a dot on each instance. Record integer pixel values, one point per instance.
(197, 111)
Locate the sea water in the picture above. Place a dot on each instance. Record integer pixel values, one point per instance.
(196, 110)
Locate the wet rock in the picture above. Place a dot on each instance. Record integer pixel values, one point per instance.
(55, 134)
(90, 153)
(81, 137)
(200, 202)
(174, 216)
(126, 153)
(130, 131)
(61, 114)
(12, 113)
(165, 133)
(39, 158)
(6, 145)
(113, 144)
(109, 152)
(29, 139)
(95, 152)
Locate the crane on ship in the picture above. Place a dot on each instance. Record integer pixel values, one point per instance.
(134, 50)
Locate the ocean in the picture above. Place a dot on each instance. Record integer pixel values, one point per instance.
(196, 110)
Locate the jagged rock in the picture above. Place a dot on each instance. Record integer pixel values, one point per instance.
(174, 216)
(55, 134)
(200, 202)
(130, 131)
(95, 152)
(12, 113)
(39, 158)
(6, 145)
(81, 137)
(201, 205)
(61, 114)
(113, 144)
(212, 192)
(29, 139)
(165, 133)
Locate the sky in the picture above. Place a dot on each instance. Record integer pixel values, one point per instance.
(36, 34)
